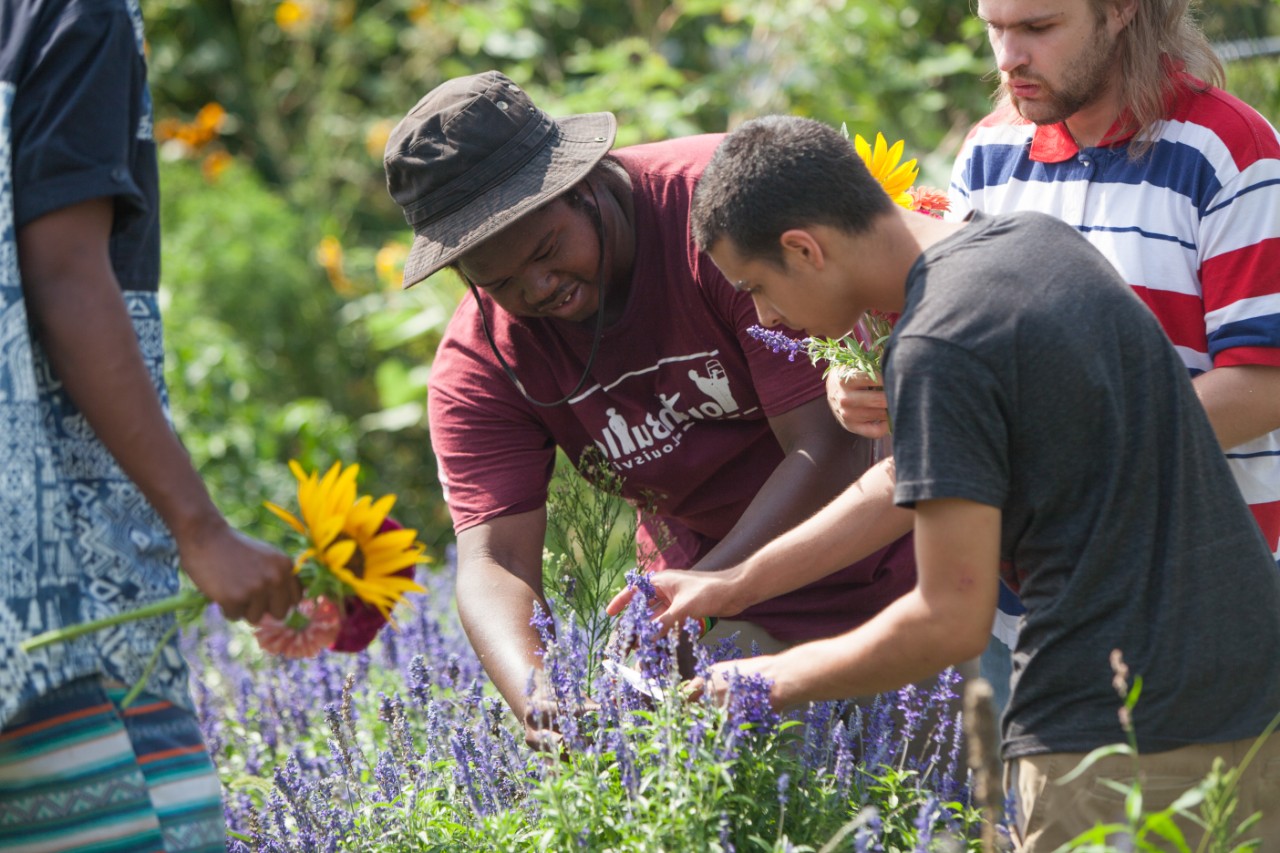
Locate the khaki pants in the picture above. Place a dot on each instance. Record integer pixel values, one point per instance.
(1050, 814)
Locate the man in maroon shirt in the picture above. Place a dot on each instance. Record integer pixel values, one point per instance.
(597, 325)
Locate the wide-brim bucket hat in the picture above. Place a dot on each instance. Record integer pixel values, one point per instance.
(474, 155)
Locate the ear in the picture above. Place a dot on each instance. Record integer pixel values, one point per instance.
(801, 247)
(1122, 12)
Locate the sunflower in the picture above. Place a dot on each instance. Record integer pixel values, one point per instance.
(350, 551)
(882, 162)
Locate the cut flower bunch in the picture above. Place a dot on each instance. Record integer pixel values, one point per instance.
(861, 351)
(355, 566)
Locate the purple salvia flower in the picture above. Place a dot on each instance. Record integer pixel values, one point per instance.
(465, 776)
(779, 342)
(926, 818)
(726, 843)
(867, 838)
(749, 702)
(784, 783)
(420, 680)
(387, 774)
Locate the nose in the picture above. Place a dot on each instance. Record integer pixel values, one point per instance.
(539, 286)
(766, 313)
(1010, 51)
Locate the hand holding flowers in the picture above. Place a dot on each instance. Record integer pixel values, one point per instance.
(355, 566)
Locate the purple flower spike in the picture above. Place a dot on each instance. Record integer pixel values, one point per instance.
(780, 342)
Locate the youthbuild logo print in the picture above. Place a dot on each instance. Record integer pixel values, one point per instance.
(627, 444)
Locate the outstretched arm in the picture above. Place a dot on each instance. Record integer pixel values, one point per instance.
(860, 521)
(944, 621)
(75, 303)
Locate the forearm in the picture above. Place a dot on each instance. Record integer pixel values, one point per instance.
(495, 608)
(944, 621)
(1243, 403)
(905, 643)
(858, 522)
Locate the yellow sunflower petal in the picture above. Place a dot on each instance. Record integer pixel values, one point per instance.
(893, 156)
(389, 566)
(325, 531)
(340, 553)
(366, 516)
(863, 148)
(285, 516)
(343, 493)
(878, 156)
(901, 179)
(396, 540)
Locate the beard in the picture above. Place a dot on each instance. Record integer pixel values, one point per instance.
(1085, 78)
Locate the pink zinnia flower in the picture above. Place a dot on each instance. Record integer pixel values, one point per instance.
(930, 201)
(310, 627)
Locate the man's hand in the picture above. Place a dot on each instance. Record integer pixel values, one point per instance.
(858, 403)
(684, 594)
(717, 686)
(541, 715)
(244, 577)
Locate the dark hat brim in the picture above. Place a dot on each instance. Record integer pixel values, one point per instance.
(577, 144)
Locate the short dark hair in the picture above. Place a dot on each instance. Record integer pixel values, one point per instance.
(775, 173)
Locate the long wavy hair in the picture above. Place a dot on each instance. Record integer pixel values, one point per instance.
(1162, 36)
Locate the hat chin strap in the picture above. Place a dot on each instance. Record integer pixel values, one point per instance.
(601, 275)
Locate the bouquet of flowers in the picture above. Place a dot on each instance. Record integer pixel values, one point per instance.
(355, 566)
(861, 351)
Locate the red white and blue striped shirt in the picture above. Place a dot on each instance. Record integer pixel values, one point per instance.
(1193, 227)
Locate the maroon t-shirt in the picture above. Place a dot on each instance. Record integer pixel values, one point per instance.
(678, 399)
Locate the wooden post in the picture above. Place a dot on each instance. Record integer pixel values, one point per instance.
(983, 748)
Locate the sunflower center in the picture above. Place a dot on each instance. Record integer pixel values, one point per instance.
(356, 564)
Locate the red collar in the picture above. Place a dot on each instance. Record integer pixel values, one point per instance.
(1053, 143)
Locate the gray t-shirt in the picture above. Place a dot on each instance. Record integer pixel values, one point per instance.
(1025, 375)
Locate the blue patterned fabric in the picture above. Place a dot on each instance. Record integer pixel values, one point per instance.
(77, 539)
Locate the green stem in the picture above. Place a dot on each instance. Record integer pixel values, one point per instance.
(150, 667)
(188, 600)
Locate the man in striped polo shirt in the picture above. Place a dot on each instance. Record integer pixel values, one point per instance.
(1109, 117)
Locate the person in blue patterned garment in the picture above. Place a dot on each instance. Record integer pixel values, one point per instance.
(99, 503)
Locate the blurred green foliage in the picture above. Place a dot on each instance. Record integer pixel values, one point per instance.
(288, 334)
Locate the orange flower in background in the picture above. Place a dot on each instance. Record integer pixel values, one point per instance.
(375, 138)
(292, 16)
(389, 264)
(329, 257)
(197, 133)
(214, 164)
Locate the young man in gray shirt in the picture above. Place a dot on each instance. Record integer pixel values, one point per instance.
(1044, 432)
